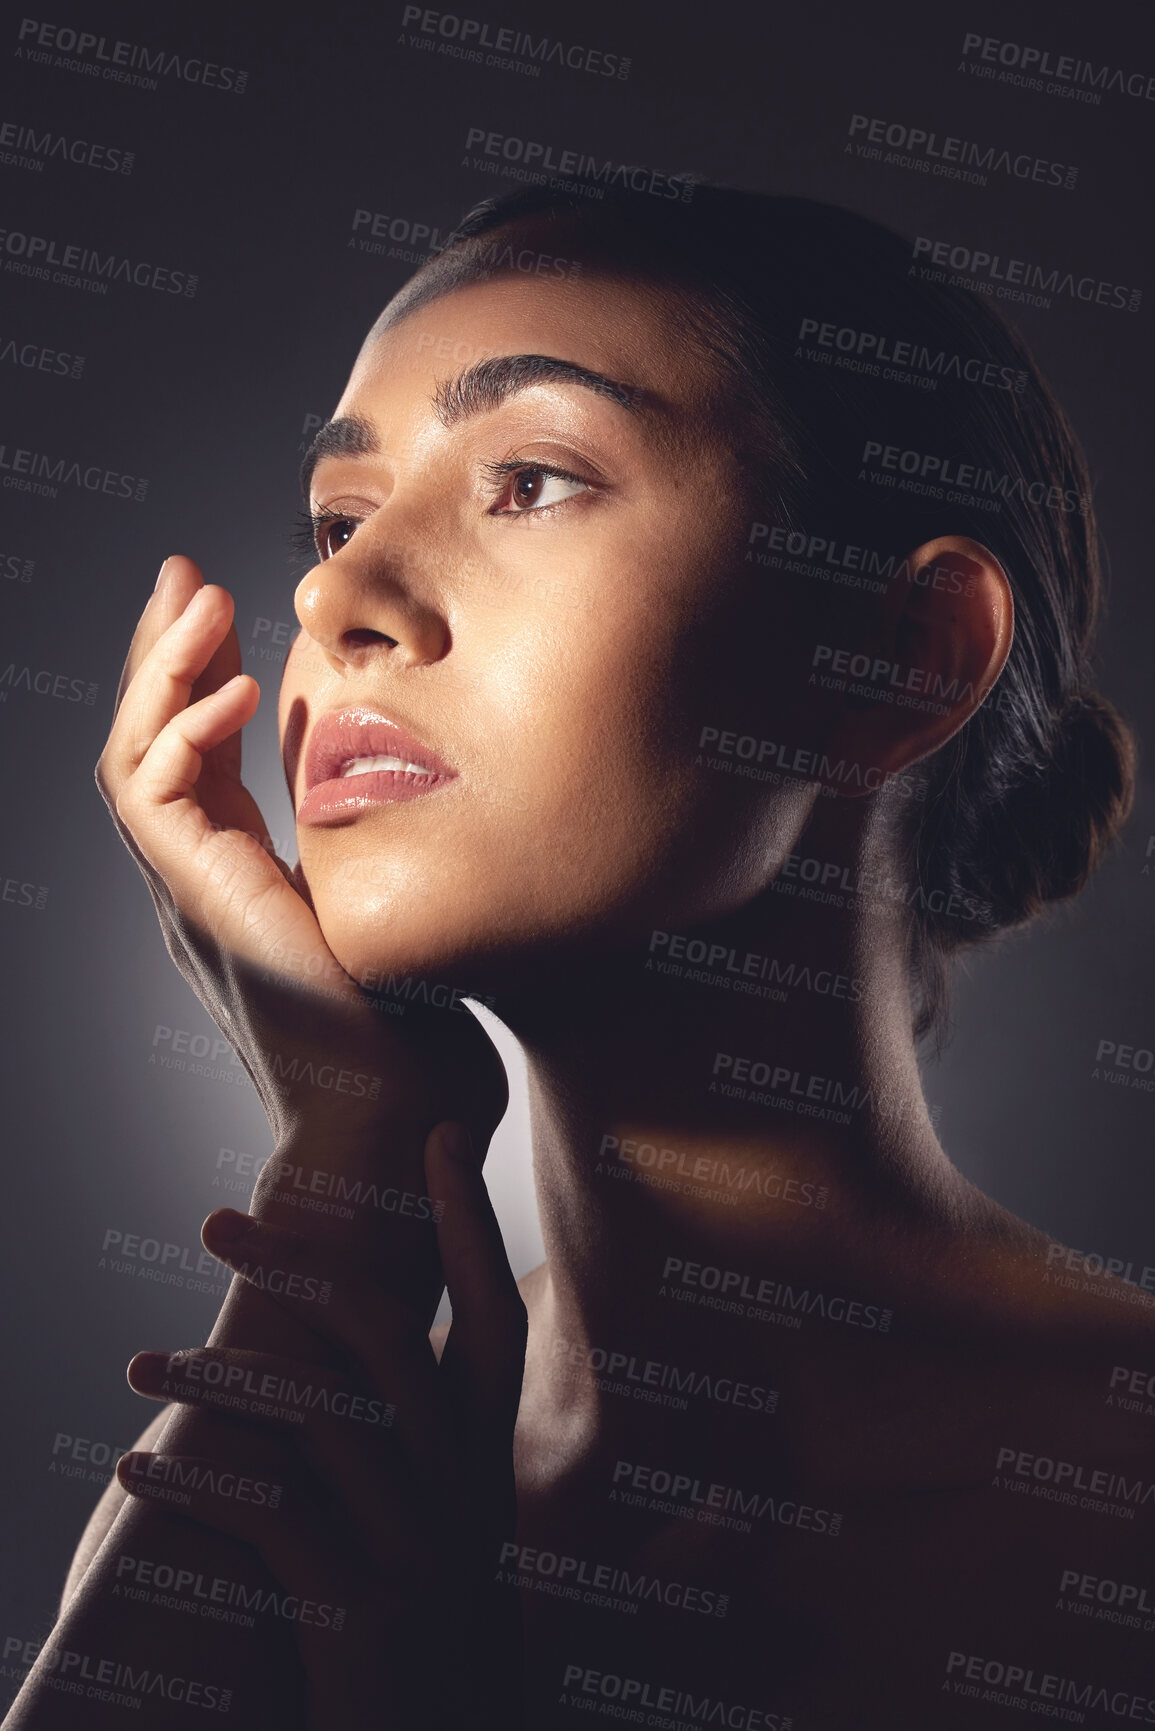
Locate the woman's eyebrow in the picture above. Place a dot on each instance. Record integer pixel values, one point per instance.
(488, 384)
(348, 436)
(482, 387)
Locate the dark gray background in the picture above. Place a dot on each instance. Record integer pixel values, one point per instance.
(208, 397)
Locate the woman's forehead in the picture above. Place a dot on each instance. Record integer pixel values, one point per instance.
(613, 326)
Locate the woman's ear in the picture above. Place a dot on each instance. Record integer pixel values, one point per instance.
(942, 640)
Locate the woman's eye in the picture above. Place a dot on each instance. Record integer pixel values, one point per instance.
(532, 489)
(332, 533)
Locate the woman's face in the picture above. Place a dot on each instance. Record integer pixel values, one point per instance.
(535, 581)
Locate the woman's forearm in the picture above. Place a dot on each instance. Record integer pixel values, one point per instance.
(160, 1613)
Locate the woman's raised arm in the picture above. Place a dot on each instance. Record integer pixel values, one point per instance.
(250, 946)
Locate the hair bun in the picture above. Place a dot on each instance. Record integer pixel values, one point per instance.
(1073, 809)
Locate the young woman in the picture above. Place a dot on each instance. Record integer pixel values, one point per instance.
(697, 654)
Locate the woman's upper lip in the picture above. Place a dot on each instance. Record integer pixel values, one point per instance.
(344, 734)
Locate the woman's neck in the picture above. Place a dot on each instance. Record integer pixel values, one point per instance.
(748, 1089)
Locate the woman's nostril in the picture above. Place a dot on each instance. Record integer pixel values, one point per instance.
(364, 638)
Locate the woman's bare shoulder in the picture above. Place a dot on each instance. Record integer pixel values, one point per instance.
(110, 1504)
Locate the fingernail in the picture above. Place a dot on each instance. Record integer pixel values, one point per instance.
(135, 1465)
(228, 1225)
(160, 573)
(148, 1365)
(456, 1141)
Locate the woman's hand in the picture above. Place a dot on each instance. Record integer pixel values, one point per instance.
(233, 918)
(394, 1472)
(239, 931)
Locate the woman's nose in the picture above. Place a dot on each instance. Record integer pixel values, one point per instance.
(369, 600)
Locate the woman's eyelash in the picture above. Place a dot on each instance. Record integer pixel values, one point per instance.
(308, 526)
(306, 532)
(499, 472)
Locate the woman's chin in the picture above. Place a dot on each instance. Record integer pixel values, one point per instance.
(404, 953)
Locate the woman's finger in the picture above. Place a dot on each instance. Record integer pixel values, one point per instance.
(224, 664)
(365, 1633)
(380, 1334)
(184, 622)
(281, 1522)
(176, 584)
(258, 1386)
(485, 1350)
(218, 867)
(343, 1433)
(197, 1486)
(170, 775)
(169, 766)
(163, 681)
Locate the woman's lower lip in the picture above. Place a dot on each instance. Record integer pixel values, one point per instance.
(340, 799)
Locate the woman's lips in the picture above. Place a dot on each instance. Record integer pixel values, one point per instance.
(356, 759)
